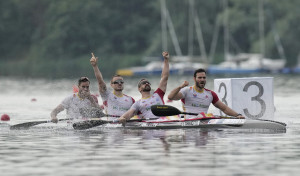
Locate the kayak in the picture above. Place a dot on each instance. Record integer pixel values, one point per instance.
(259, 124)
(166, 117)
(143, 124)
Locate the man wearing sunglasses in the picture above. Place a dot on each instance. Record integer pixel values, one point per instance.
(80, 100)
(142, 107)
(115, 103)
(197, 98)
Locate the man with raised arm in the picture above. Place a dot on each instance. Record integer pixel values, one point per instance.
(73, 103)
(142, 107)
(196, 99)
(115, 103)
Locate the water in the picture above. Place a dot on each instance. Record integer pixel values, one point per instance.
(45, 150)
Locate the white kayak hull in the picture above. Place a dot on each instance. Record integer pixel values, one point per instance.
(180, 124)
(207, 123)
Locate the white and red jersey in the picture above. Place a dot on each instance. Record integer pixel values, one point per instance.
(74, 103)
(115, 105)
(196, 102)
(142, 107)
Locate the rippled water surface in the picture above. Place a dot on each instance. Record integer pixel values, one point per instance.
(58, 150)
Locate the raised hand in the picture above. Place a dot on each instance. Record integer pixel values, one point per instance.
(184, 84)
(166, 55)
(93, 60)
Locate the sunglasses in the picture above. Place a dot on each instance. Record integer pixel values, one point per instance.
(118, 82)
(144, 82)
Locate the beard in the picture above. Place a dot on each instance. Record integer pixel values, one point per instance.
(146, 89)
(200, 84)
(84, 93)
(119, 89)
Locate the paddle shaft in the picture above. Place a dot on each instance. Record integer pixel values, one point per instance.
(27, 125)
(188, 113)
(167, 110)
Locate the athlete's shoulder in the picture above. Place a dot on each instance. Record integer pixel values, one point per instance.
(208, 90)
(160, 92)
(74, 95)
(126, 95)
(133, 100)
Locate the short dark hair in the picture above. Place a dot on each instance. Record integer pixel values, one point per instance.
(114, 77)
(140, 82)
(200, 70)
(83, 79)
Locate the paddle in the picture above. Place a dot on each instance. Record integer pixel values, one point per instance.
(83, 125)
(27, 125)
(167, 110)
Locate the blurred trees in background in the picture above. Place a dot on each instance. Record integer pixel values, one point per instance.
(54, 38)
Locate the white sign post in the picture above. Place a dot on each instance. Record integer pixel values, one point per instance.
(252, 97)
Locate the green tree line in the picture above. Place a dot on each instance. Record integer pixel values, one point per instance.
(54, 38)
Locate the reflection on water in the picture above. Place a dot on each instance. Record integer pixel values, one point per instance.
(121, 151)
(58, 150)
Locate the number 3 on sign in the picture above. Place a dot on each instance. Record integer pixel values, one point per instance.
(252, 97)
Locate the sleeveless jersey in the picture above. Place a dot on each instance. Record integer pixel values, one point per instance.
(114, 105)
(196, 102)
(73, 103)
(142, 107)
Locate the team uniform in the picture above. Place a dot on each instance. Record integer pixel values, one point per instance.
(196, 102)
(74, 103)
(142, 107)
(114, 105)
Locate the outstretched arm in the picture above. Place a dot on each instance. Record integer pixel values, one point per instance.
(165, 72)
(101, 83)
(227, 110)
(175, 94)
(126, 116)
(55, 111)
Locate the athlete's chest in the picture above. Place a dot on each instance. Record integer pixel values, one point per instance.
(78, 102)
(123, 99)
(150, 101)
(199, 96)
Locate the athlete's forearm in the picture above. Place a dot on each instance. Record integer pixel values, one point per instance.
(55, 111)
(99, 77)
(164, 76)
(230, 112)
(174, 94)
(166, 70)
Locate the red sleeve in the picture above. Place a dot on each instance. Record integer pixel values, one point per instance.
(133, 101)
(215, 97)
(161, 94)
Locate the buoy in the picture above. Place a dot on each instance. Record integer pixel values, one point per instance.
(5, 117)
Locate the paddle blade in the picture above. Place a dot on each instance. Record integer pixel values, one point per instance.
(88, 124)
(165, 110)
(26, 125)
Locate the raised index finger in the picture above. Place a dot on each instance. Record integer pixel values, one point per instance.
(93, 55)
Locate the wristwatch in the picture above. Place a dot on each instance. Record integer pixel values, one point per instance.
(238, 115)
